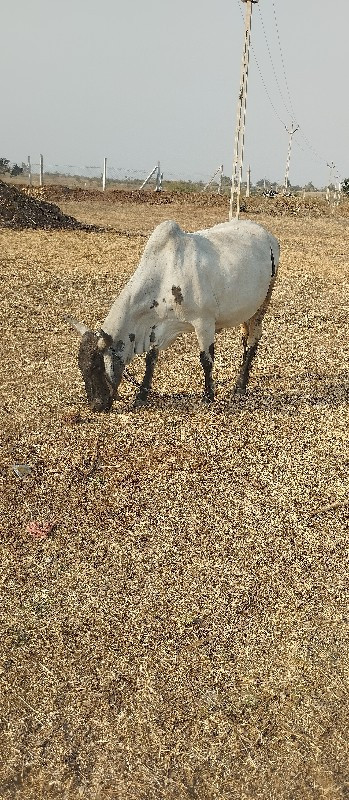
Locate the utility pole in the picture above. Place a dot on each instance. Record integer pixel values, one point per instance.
(291, 133)
(331, 168)
(331, 183)
(241, 115)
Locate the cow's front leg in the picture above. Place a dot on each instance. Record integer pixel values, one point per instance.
(205, 336)
(144, 389)
(206, 360)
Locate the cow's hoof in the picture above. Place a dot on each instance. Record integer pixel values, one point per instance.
(239, 390)
(141, 399)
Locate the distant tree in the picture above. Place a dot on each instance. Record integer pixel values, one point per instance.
(16, 170)
(345, 186)
(263, 183)
(226, 181)
(310, 187)
(4, 165)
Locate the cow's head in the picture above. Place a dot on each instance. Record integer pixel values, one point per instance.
(101, 366)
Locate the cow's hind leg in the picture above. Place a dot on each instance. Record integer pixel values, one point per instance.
(251, 334)
(250, 338)
(205, 335)
(144, 389)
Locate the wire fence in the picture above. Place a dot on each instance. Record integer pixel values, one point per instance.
(92, 177)
(38, 173)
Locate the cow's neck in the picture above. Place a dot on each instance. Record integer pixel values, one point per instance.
(130, 325)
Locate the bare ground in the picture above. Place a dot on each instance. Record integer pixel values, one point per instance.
(174, 603)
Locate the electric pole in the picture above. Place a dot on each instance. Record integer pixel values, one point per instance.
(291, 133)
(331, 168)
(241, 115)
(331, 184)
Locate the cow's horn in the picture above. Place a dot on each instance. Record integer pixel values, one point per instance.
(79, 326)
(104, 340)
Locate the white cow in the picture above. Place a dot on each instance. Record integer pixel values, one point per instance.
(203, 282)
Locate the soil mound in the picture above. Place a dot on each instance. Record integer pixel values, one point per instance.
(59, 193)
(19, 210)
(278, 206)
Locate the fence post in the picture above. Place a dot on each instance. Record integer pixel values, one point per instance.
(104, 178)
(156, 169)
(29, 172)
(220, 171)
(159, 177)
(41, 174)
(220, 179)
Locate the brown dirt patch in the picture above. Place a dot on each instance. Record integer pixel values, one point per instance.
(297, 205)
(173, 613)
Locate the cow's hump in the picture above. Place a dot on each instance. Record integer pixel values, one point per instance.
(163, 235)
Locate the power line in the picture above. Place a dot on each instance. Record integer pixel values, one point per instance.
(282, 60)
(262, 79)
(271, 61)
(321, 158)
(310, 147)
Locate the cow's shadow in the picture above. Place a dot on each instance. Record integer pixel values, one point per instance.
(328, 391)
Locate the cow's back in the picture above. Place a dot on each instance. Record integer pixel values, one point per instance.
(222, 272)
(236, 262)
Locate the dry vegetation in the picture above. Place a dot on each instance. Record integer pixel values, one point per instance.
(174, 610)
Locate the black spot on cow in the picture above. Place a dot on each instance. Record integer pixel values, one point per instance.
(152, 335)
(131, 337)
(154, 304)
(177, 294)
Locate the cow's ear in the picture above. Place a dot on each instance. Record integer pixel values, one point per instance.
(104, 340)
(79, 326)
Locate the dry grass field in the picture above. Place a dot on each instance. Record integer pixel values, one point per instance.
(174, 600)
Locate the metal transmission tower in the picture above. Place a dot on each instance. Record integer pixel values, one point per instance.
(291, 133)
(241, 115)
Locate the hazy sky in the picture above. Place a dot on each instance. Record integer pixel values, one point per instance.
(141, 81)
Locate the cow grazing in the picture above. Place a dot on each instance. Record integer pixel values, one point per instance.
(216, 278)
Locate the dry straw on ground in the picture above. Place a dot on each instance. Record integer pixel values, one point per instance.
(174, 611)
